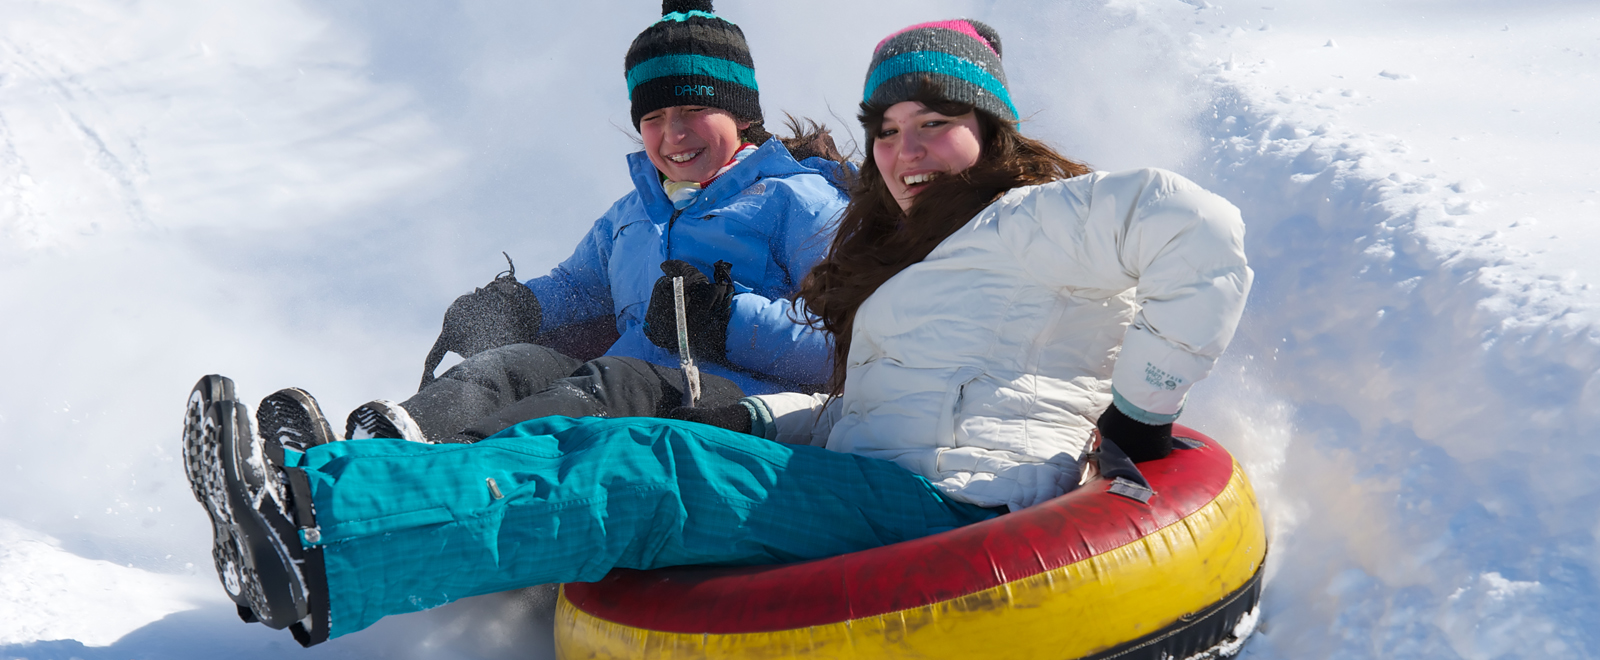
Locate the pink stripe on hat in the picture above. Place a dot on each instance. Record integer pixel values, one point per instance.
(957, 25)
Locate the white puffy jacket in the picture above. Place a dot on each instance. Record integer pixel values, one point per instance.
(984, 366)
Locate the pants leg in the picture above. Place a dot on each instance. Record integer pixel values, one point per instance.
(483, 384)
(605, 387)
(407, 526)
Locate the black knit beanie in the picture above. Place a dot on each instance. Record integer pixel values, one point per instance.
(692, 57)
(961, 54)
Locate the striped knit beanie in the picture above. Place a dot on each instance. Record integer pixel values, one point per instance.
(962, 55)
(691, 57)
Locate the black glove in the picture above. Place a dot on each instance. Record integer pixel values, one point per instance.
(1141, 442)
(500, 313)
(707, 305)
(734, 418)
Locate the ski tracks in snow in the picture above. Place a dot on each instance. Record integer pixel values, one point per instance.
(49, 98)
(1427, 391)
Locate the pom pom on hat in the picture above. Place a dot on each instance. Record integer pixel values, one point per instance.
(982, 29)
(685, 6)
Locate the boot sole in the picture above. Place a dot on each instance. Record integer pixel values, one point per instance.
(370, 421)
(255, 566)
(209, 390)
(284, 414)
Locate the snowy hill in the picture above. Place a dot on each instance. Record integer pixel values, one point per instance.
(290, 193)
(1425, 313)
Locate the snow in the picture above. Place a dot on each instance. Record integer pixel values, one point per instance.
(290, 193)
(1439, 360)
(54, 594)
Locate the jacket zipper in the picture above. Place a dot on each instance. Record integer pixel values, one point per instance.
(670, 222)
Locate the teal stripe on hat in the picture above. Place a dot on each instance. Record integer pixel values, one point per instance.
(690, 65)
(928, 61)
(681, 16)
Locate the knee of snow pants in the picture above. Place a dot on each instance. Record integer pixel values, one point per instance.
(607, 387)
(483, 384)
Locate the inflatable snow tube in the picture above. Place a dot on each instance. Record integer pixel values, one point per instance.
(1090, 574)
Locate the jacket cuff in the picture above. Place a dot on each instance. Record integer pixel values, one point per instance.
(1139, 415)
(1154, 375)
(761, 424)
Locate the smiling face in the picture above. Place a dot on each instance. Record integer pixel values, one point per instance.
(915, 144)
(690, 142)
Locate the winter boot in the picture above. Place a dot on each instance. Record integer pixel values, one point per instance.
(291, 418)
(258, 510)
(381, 418)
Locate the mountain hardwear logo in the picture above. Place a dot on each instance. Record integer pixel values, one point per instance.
(1159, 378)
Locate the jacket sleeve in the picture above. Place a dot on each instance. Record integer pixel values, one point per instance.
(763, 334)
(793, 418)
(1180, 247)
(579, 289)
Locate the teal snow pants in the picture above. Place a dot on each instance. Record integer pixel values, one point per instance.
(407, 526)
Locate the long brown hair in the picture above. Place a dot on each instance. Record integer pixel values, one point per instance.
(876, 239)
(808, 138)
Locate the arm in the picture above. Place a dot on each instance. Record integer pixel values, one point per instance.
(787, 417)
(764, 338)
(763, 335)
(579, 289)
(1179, 245)
(793, 418)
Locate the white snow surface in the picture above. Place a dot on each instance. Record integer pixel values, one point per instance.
(290, 193)
(54, 594)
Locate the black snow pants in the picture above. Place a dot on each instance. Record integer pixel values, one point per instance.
(499, 388)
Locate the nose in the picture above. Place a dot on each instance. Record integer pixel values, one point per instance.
(911, 147)
(675, 128)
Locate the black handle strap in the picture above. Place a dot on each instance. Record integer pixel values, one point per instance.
(435, 356)
(447, 342)
(1125, 478)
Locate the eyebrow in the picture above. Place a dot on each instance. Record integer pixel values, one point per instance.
(923, 113)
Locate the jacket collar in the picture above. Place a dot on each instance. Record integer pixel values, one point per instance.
(772, 159)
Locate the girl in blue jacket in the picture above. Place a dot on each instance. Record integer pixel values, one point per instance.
(716, 199)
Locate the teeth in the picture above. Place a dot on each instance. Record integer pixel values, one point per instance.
(920, 178)
(683, 158)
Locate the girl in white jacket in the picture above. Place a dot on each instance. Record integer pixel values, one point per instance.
(992, 301)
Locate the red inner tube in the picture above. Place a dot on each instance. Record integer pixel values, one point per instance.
(1076, 526)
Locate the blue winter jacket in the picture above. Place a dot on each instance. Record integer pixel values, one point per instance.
(770, 216)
